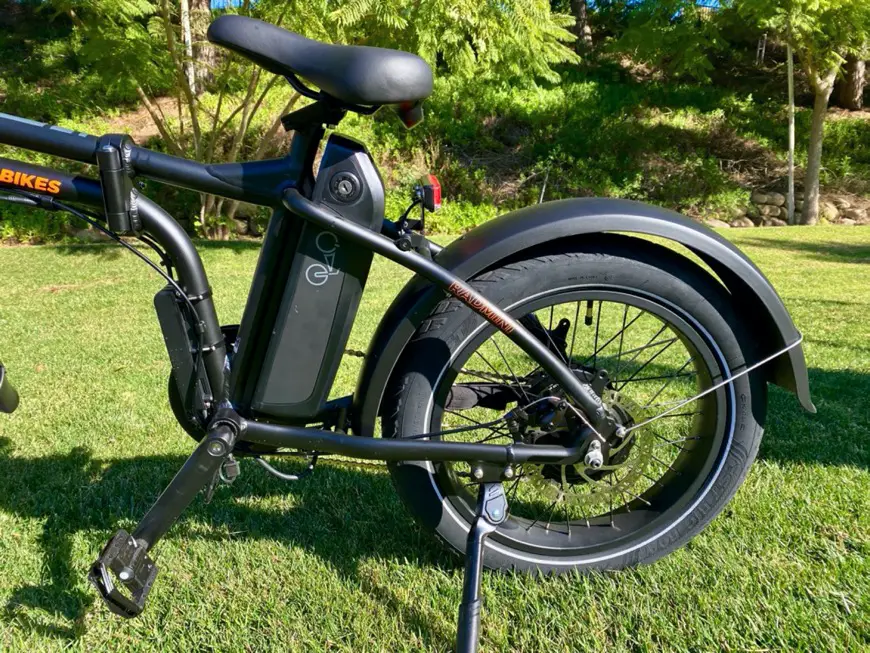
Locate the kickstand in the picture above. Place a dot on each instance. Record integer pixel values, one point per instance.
(491, 511)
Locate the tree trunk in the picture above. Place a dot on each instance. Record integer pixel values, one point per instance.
(187, 40)
(822, 88)
(849, 91)
(581, 26)
(205, 53)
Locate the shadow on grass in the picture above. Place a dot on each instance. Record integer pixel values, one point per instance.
(838, 434)
(827, 252)
(342, 515)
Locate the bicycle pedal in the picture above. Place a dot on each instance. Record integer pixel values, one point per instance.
(132, 567)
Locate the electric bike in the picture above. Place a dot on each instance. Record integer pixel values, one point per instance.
(577, 385)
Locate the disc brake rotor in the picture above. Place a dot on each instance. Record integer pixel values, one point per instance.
(621, 480)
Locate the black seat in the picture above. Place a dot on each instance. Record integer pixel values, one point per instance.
(351, 73)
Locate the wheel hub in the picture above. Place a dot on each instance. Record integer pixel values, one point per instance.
(626, 457)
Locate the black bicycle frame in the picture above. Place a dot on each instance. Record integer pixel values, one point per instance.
(288, 186)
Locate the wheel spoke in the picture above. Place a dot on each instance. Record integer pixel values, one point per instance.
(574, 336)
(661, 377)
(510, 369)
(665, 386)
(537, 519)
(619, 351)
(600, 349)
(597, 329)
(652, 358)
(490, 365)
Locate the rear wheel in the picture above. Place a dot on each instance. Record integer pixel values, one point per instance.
(649, 331)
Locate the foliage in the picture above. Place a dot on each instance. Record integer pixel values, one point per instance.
(604, 126)
(680, 36)
(515, 40)
(822, 33)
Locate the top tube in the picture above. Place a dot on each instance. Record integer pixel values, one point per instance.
(257, 182)
(32, 135)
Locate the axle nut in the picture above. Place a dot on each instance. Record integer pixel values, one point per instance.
(594, 458)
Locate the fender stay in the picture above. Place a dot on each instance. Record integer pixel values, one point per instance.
(551, 222)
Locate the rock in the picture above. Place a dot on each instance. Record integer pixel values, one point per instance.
(241, 226)
(753, 212)
(799, 196)
(847, 221)
(742, 222)
(770, 211)
(828, 211)
(799, 205)
(253, 228)
(717, 224)
(775, 222)
(842, 203)
(854, 214)
(777, 199)
(246, 210)
(758, 197)
(737, 212)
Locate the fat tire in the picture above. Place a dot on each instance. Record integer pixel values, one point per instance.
(611, 261)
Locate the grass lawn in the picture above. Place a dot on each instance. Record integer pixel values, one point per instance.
(334, 562)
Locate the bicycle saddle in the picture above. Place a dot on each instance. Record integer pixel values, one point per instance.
(351, 73)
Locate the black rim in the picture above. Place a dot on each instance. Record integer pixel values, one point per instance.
(652, 356)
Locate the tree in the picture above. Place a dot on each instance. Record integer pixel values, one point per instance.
(678, 36)
(823, 34)
(204, 53)
(187, 39)
(140, 45)
(516, 40)
(580, 10)
(849, 89)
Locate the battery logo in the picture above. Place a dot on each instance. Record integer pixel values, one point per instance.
(33, 182)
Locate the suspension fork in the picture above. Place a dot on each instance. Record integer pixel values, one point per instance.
(582, 393)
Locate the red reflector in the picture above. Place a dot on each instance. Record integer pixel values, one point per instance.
(436, 192)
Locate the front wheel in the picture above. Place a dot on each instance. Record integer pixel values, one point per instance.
(650, 331)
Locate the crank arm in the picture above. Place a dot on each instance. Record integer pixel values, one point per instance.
(126, 555)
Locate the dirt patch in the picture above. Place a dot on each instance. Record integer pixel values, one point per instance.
(139, 125)
(835, 113)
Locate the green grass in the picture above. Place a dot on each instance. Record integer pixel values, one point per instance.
(335, 562)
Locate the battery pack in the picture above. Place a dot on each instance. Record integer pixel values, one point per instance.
(322, 292)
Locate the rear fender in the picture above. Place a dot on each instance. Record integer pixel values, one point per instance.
(560, 221)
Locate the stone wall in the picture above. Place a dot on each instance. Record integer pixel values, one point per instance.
(767, 208)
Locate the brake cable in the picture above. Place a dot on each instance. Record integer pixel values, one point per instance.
(51, 204)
